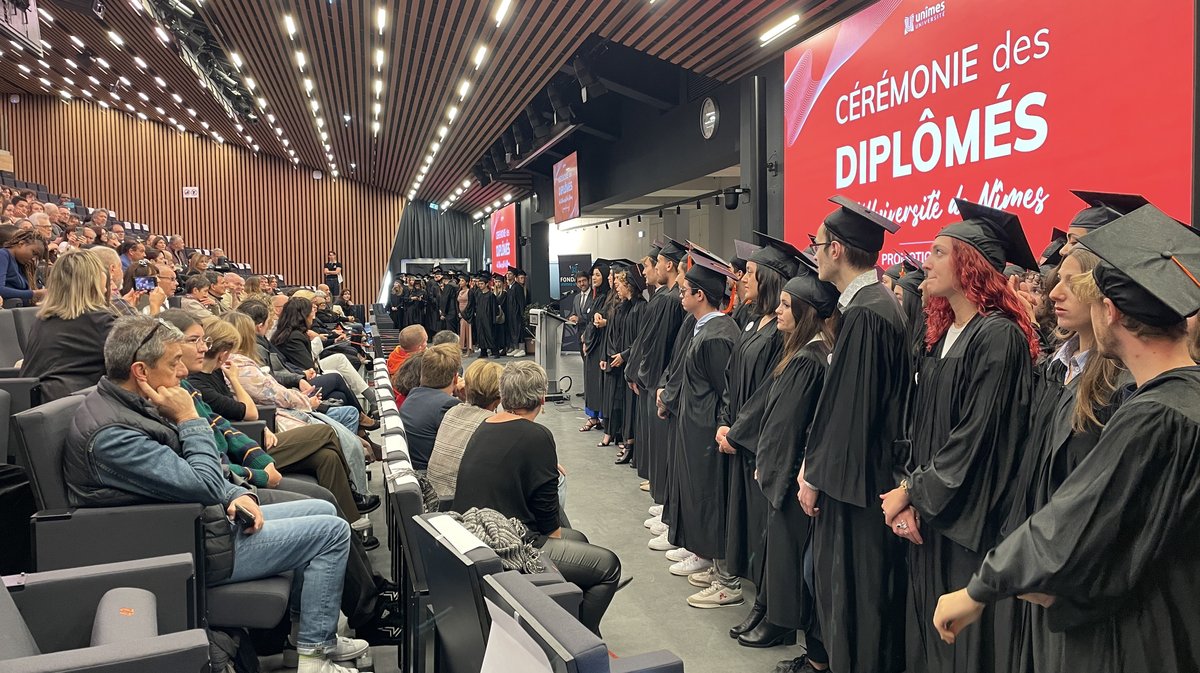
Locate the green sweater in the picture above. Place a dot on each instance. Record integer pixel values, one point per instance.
(244, 456)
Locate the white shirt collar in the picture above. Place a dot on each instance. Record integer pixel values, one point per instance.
(701, 322)
(867, 278)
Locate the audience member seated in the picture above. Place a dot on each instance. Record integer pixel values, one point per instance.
(407, 377)
(152, 302)
(413, 339)
(138, 438)
(130, 252)
(482, 386)
(425, 405)
(511, 465)
(294, 339)
(197, 263)
(235, 289)
(295, 409)
(256, 290)
(18, 262)
(218, 291)
(196, 299)
(65, 349)
(445, 337)
(176, 247)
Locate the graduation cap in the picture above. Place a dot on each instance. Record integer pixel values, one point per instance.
(776, 254)
(1052, 255)
(709, 273)
(857, 225)
(436, 270)
(673, 250)
(808, 287)
(516, 271)
(696, 247)
(633, 272)
(894, 272)
(911, 281)
(655, 248)
(1104, 207)
(1151, 266)
(994, 233)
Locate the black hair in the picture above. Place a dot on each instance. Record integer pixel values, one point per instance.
(770, 284)
(293, 318)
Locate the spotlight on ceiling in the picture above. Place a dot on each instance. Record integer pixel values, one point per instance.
(590, 85)
(540, 128)
(562, 109)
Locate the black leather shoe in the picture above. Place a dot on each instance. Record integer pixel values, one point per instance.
(767, 634)
(625, 456)
(370, 542)
(756, 615)
(366, 503)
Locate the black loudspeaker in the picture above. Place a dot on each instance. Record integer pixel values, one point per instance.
(85, 7)
(731, 196)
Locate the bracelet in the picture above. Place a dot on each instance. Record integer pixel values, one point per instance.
(904, 485)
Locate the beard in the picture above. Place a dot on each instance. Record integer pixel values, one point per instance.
(1106, 342)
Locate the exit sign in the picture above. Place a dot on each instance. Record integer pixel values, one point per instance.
(191, 192)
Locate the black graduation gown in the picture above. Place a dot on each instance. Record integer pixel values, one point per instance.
(1118, 544)
(663, 317)
(515, 303)
(791, 401)
(484, 308)
(618, 338)
(743, 314)
(670, 383)
(971, 417)
(634, 401)
(1052, 451)
(395, 309)
(500, 330)
(748, 373)
(699, 483)
(593, 341)
(448, 303)
(851, 457)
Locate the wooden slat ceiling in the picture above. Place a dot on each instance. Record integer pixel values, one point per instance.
(428, 48)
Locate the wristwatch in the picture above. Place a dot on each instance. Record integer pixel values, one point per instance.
(904, 484)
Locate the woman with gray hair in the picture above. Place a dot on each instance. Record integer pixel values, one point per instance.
(510, 465)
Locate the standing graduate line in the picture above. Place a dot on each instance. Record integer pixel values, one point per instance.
(971, 415)
(636, 445)
(700, 489)
(664, 315)
(448, 302)
(485, 308)
(747, 382)
(501, 321)
(590, 343)
(515, 304)
(1075, 392)
(808, 318)
(852, 455)
(743, 311)
(622, 328)
(1115, 554)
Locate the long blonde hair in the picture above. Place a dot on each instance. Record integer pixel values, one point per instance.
(78, 284)
(244, 326)
(1100, 375)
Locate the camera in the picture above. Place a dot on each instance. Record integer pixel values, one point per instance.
(145, 283)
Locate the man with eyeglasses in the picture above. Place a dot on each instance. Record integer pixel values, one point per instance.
(138, 438)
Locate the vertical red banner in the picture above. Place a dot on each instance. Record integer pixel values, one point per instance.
(504, 238)
(566, 188)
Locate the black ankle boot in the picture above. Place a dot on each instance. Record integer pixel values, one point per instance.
(366, 503)
(767, 634)
(756, 615)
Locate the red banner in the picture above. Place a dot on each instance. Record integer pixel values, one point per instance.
(566, 188)
(909, 104)
(504, 238)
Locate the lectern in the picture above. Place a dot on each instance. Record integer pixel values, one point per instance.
(547, 352)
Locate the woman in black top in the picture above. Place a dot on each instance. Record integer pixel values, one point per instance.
(333, 274)
(510, 465)
(591, 342)
(291, 333)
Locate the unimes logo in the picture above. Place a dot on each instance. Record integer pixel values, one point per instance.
(924, 17)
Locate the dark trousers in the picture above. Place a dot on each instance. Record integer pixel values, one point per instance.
(333, 386)
(361, 586)
(314, 450)
(593, 569)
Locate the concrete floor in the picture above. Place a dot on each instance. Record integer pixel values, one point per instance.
(605, 503)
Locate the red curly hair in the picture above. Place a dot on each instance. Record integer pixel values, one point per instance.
(986, 289)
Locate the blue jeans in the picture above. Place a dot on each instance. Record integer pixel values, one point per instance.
(308, 537)
(344, 421)
(591, 414)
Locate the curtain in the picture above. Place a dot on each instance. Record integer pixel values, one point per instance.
(425, 232)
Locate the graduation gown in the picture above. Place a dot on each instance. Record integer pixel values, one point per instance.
(1118, 544)
(743, 314)
(1052, 451)
(638, 402)
(851, 458)
(699, 486)
(484, 308)
(395, 309)
(413, 311)
(515, 303)
(618, 338)
(661, 327)
(670, 383)
(448, 304)
(791, 402)
(500, 330)
(748, 373)
(593, 342)
(971, 416)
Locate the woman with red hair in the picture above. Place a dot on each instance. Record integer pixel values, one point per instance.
(971, 411)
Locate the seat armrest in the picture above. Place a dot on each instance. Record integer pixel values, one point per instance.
(252, 429)
(567, 595)
(10, 372)
(661, 661)
(59, 606)
(186, 651)
(113, 534)
(266, 414)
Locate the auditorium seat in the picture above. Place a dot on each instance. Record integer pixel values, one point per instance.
(561, 636)
(10, 346)
(24, 319)
(456, 563)
(129, 617)
(112, 534)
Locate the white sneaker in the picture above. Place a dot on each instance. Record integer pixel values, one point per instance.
(656, 510)
(716, 595)
(660, 543)
(658, 528)
(677, 555)
(704, 578)
(691, 564)
(321, 665)
(363, 523)
(651, 521)
(349, 649)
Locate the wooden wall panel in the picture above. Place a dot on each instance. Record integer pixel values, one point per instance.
(258, 209)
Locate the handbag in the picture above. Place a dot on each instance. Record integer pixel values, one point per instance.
(499, 315)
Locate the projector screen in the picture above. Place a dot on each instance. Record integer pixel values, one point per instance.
(566, 188)
(1011, 103)
(504, 238)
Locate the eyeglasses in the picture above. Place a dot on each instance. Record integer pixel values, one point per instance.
(815, 244)
(159, 322)
(196, 341)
